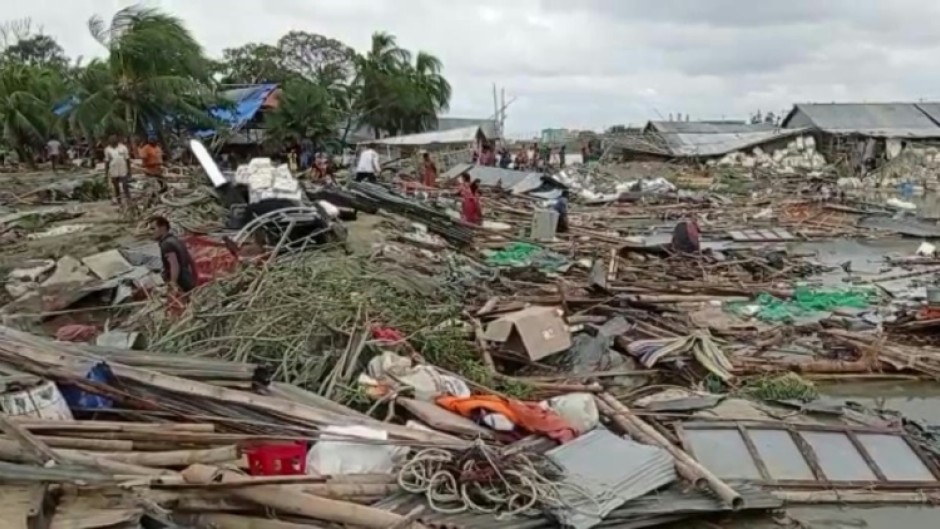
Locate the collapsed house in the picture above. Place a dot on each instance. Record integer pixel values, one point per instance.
(734, 142)
(866, 135)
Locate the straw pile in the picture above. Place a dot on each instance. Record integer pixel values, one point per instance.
(309, 318)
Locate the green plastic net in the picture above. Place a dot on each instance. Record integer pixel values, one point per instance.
(806, 301)
(524, 254)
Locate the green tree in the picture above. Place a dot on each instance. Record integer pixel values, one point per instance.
(306, 111)
(253, 63)
(37, 50)
(317, 58)
(27, 94)
(155, 69)
(396, 95)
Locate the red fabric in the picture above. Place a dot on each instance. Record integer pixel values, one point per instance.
(387, 334)
(211, 257)
(76, 332)
(471, 211)
(430, 175)
(528, 416)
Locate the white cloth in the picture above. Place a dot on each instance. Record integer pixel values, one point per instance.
(53, 147)
(368, 162)
(116, 158)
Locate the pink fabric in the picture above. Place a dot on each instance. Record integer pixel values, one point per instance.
(76, 333)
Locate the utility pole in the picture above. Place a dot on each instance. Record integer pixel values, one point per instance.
(502, 114)
(499, 131)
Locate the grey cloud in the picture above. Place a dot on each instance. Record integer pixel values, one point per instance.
(594, 63)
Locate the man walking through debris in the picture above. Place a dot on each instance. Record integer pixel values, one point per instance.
(179, 269)
(118, 165)
(368, 168)
(54, 152)
(152, 156)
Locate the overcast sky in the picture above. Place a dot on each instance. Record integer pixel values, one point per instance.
(593, 63)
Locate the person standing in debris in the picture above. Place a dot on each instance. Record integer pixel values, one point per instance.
(561, 207)
(152, 157)
(117, 161)
(561, 156)
(428, 171)
(504, 158)
(179, 269)
(522, 161)
(471, 210)
(368, 168)
(685, 236)
(319, 168)
(54, 152)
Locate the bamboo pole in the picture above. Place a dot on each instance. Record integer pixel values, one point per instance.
(178, 458)
(12, 451)
(858, 497)
(42, 425)
(80, 443)
(234, 521)
(719, 487)
(297, 503)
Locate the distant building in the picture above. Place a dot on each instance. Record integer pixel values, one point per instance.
(862, 130)
(696, 139)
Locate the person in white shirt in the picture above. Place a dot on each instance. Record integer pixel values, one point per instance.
(368, 167)
(54, 152)
(117, 161)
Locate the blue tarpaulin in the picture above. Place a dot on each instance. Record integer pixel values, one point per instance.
(64, 107)
(79, 398)
(246, 101)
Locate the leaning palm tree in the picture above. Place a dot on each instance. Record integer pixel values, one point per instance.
(27, 95)
(155, 72)
(377, 74)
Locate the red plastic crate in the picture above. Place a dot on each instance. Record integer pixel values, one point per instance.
(277, 459)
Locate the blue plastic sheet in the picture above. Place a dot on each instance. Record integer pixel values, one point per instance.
(79, 398)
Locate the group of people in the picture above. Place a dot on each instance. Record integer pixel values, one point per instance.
(533, 157)
(117, 159)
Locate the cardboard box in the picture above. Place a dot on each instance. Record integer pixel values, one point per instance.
(538, 332)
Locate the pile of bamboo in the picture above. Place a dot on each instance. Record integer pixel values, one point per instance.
(167, 442)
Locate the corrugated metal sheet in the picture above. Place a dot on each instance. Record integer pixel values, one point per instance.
(453, 136)
(518, 181)
(488, 126)
(611, 470)
(713, 138)
(675, 502)
(870, 119)
(718, 144)
(932, 110)
(708, 127)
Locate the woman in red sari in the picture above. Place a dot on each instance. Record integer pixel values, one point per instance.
(471, 210)
(429, 171)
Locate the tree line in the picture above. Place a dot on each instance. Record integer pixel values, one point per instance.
(156, 79)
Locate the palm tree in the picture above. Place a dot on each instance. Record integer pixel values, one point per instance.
(27, 95)
(396, 95)
(376, 76)
(155, 72)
